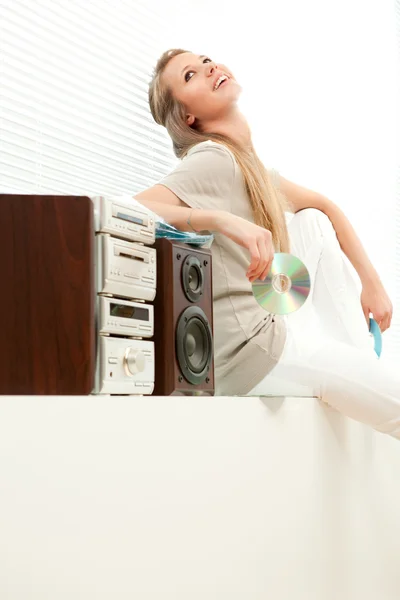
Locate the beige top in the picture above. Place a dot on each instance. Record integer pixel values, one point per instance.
(248, 340)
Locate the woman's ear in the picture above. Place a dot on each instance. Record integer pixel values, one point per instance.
(190, 120)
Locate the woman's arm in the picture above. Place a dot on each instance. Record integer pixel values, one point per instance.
(374, 297)
(257, 240)
(302, 197)
(168, 206)
(351, 245)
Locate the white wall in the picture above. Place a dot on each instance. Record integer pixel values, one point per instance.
(195, 498)
(230, 498)
(321, 93)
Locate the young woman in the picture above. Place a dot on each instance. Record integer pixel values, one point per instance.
(221, 186)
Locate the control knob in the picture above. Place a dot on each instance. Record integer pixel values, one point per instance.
(134, 361)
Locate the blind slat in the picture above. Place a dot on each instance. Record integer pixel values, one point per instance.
(139, 152)
(45, 153)
(29, 115)
(74, 114)
(60, 32)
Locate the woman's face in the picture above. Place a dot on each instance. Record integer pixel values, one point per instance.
(192, 79)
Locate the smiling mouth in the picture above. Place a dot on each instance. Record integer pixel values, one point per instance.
(221, 85)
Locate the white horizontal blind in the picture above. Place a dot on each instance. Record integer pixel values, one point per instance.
(74, 115)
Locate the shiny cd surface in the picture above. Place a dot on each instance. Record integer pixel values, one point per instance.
(285, 288)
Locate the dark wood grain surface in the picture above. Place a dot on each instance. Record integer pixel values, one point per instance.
(47, 326)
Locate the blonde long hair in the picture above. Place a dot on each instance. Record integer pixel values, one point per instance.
(267, 204)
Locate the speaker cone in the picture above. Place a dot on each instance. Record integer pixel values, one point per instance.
(192, 278)
(194, 344)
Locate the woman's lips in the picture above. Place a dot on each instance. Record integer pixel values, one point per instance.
(221, 84)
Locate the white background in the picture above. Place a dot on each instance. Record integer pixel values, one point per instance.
(321, 94)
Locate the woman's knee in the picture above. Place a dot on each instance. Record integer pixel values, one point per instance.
(314, 215)
(311, 213)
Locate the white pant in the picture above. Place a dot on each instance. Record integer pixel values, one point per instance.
(328, 344)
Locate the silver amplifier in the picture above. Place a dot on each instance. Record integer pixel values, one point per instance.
(124, 317)
(119, 218)
(124, 366)
(126, 269)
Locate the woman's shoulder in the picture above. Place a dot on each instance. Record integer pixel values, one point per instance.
(210, 161)
(207, 171)
(212, 148)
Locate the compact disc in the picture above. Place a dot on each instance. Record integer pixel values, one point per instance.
(286, 287)
(375, 332)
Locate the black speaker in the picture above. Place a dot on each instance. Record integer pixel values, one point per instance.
(183, 320)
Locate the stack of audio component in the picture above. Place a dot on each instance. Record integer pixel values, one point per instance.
(125, 272)
(80, 314)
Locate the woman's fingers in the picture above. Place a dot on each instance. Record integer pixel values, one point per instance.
(270, 251)
(263, 266)
(266, 271)
(265, 260)
(255, 256)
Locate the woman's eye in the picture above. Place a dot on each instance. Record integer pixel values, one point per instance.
(188, 73)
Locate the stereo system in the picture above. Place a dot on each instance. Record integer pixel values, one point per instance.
(94, 304)
(121, 220)
(124, 366)
(183, 320)
(124, 268)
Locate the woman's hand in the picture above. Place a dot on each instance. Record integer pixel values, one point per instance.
(374, 299)
(252, 237)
